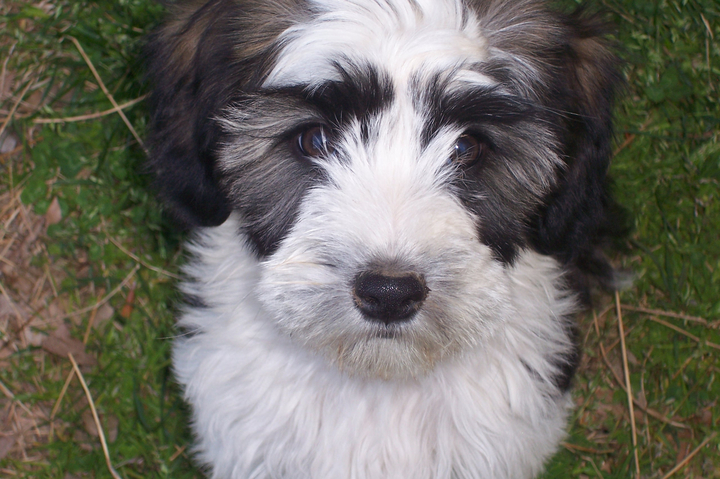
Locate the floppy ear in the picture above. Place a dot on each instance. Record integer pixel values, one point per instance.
(207, 52)
(578, 214)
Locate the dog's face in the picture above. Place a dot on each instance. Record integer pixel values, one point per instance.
(389, 160)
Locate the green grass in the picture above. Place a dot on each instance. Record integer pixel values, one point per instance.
(667, 174)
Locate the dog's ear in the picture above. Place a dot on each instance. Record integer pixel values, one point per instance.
(578, 214)
(206, 53)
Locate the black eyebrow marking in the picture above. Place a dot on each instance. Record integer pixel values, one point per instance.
(362, 93)
(468, 108)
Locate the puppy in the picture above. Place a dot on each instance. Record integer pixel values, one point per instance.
(398, 207)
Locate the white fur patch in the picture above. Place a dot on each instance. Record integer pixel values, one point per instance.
(266, 406)
(402, 37)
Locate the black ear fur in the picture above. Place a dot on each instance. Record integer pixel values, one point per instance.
(580, 213)
(204, 54)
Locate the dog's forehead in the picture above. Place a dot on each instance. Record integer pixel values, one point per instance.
(401, 37)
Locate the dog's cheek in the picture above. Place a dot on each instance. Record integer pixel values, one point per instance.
(266, 189)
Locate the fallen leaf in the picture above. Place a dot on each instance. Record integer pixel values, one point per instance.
(104, 313)
(111, 428)
(704, 417)
(109, 423)
(32, 336)
(8, 142)
(682, 450)
(642, 400)
(61, 343)
(6, 307)
(127, 308)
(632, 359)
(53, 215)
(89, 423)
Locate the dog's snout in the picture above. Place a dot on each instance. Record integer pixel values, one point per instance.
(389, 298)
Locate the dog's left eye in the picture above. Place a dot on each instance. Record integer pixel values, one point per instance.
(313, 142)
(467, 150)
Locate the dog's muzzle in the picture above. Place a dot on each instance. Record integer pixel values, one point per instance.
(389, 298)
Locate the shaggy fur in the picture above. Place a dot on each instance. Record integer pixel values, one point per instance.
(399, 206)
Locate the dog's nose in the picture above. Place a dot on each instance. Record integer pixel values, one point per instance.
(389, 298)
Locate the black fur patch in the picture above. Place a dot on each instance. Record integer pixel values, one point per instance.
(568, 364)
(361, 94)
(263, 177)
(570, 75)
(579, 214)
(196, 63)
(505, 125)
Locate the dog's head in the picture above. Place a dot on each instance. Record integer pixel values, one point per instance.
(390, 160)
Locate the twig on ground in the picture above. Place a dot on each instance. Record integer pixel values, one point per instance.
(617, 341)
(91, 321)
(630, 138)
(619, 381)
(101, 434)
(106, 298)
(108, 94)
(595, 322)
(56, 406)
(646, 410)
(89, 116)
(684, 333)
(136, 258)
(628, 385)
(3, 73)
(9, 394)
(61, 395)
(687, 458)
(14, 152)
(669, 314)
(681, 368)
(178, 452)
(14, 107)
(575, 447)
(15, 198)
(11, 303)
(51, 279)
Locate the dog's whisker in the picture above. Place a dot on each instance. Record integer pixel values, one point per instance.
(290, 262)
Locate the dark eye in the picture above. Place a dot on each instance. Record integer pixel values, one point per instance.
(467, 150)
(313, 142)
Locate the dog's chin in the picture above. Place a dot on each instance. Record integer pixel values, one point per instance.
(387, 352)
(384, 352)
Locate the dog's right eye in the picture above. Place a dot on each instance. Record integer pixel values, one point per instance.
(467, 150)
(313, 142)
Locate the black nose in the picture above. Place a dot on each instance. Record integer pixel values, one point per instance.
(389, 298)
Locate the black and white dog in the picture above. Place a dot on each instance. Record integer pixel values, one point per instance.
(400, 203)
